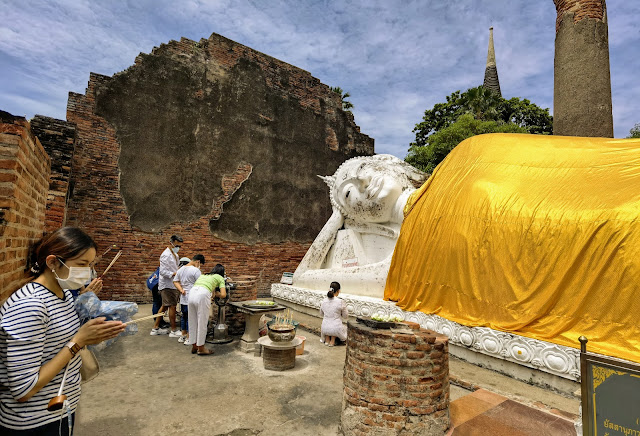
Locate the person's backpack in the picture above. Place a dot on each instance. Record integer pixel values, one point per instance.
(152, 281)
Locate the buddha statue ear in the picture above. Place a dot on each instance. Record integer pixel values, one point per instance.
(331, 183)
(329, 180)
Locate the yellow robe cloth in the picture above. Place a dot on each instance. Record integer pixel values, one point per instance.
(529, 234)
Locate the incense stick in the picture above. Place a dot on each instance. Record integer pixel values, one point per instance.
(108, 250)
(112, 262)
(64, 378)
(144, 317)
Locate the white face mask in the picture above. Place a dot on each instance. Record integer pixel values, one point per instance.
(78, 276)
(175, 249)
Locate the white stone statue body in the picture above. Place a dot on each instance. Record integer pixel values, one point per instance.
(355, 246)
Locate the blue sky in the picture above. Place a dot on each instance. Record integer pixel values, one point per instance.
(395, 57)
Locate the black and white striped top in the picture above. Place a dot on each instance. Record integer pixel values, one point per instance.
(34, 326)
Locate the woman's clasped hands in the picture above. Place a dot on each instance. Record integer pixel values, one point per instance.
(98, 330)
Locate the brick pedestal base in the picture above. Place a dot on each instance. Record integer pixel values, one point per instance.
(278, 360)
(395, 383)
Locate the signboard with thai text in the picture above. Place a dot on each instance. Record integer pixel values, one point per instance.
(610, 396)
(287, 278)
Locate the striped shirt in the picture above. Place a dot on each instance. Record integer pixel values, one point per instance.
(34, 326)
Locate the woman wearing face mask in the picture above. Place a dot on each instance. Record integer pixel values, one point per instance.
(169, 265)
(40, 334)
(94, 284)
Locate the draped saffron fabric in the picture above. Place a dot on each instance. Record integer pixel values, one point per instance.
(529, 234)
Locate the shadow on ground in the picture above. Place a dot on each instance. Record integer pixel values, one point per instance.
(150, 385)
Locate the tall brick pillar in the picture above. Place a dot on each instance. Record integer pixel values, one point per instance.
(24, 183)
(582, 81)
(395, 383)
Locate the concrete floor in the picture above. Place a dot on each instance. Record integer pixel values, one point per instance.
(150, 385)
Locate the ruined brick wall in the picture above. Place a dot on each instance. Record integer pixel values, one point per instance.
(24, 183)
(58, 139)
(213, 141)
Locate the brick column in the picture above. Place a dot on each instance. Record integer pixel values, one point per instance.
(395, 383)
(582, 80)
(24, 183)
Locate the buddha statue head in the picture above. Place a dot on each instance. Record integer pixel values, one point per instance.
(373, 188)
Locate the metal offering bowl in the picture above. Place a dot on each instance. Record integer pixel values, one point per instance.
(281, 333)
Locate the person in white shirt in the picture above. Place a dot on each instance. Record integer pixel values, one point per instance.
(170, 295)
(183, 281)
(333, 310)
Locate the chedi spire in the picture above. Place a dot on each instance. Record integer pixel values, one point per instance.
(491, 71)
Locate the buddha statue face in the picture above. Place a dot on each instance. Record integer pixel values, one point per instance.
(368, 188)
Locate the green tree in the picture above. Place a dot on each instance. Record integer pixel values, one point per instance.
(484, 105)
(481, 102)
(440, 143)
(634, 132)
(526, 114)
(453, 121)
(346, 105)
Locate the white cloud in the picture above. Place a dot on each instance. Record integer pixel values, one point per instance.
(396, 57)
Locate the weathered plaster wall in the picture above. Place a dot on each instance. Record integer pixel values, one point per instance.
(190, 112)
(582, 81)
(214, 141)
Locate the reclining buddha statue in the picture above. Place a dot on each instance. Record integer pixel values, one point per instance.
(532, 235)
(355, 246)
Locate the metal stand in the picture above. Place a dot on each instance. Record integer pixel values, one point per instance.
(221, 330)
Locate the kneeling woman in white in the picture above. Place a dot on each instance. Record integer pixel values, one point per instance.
(333, 310)
(200, 305)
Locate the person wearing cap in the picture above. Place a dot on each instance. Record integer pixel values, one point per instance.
(184, 280)
(170, 295)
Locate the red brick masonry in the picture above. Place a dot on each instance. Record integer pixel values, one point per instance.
(24, 183)
(595, 9)
(246, 289)
(395, 383)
